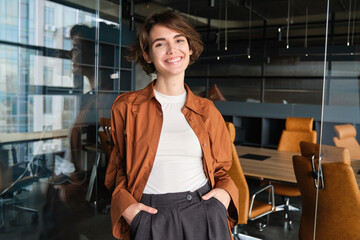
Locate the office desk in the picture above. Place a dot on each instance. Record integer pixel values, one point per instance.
(8, 138)
(278, 166)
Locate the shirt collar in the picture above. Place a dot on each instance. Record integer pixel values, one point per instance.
(192, 102)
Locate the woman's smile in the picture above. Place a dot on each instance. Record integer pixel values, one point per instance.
(174, 60)
(168, 50)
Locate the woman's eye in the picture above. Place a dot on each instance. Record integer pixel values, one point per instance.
(158, 45)
(180, 40)
(76, 49)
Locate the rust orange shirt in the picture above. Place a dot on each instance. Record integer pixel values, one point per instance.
(136, 121)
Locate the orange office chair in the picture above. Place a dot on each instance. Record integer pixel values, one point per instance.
(26, 175)
(296, 130)
(338, 208)
(249, 209)
(346, 138)
(105, 136)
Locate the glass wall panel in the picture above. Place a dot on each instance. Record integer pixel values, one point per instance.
(279, 59)
(339, 176)
(61, 67)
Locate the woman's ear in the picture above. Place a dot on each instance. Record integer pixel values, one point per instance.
(146, 57)
(190, 52)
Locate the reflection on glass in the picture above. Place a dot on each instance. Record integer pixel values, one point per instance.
(51, 99)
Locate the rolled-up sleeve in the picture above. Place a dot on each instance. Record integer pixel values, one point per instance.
(221, 151)
(116, 179)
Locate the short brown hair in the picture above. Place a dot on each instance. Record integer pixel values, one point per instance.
(173, 21)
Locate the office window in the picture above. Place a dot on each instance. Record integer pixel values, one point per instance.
(67, 44)
(68, 103)
(69, 16)
(9, 20)
(47, 110)
(48, 75)
(67, 68)
(49, 15)
(31, 114)
(48, 41)
(24, 9)
(47, 105)
(47, 128)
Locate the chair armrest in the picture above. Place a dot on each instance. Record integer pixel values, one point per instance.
(272, 202)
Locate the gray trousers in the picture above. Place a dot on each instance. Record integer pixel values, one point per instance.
(181, 216)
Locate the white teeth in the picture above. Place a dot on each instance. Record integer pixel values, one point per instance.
(173, 60)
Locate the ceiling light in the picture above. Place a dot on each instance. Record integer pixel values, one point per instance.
(211, 3)
(349, 22)
(226, 32)
(279, 34)
(288, 25)
(306, 25)
(219, 28)
(353, 28)
(249, 46)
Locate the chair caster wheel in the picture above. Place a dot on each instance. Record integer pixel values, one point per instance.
(261, 226)
(34, 218)
(288, 225)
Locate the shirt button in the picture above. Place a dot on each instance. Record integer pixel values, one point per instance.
(210, 171)
(204, 144)
(188, 197)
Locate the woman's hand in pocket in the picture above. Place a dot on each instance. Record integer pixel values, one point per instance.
(131, 211)
(220, 194)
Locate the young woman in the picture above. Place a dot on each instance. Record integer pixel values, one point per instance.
(167, 170)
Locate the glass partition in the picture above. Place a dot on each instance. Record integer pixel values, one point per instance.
(299, 61)
(338, 173)
(62, 64)
(61, 67)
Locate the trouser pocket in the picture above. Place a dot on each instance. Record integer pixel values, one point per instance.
(220, 204)
(135, 222)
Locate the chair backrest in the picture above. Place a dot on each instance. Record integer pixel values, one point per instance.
(105, 135)
(338, 212)
(215, 94)
(5, 176)
(346, 138)
(296, 130)
(237, 175)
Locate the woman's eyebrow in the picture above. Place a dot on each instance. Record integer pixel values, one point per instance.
(179, 35)
(157, 40)
(163, 39)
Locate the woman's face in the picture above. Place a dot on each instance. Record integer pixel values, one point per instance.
(168, 51)
(82, 55)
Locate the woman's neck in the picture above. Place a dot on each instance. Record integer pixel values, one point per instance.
(171, 86)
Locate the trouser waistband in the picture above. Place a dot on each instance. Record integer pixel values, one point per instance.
(169, 199)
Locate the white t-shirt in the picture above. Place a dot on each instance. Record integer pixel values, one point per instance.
(178, 163)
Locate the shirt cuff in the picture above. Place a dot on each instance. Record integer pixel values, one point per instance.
(121, 200)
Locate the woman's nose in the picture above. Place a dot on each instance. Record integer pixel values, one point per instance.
(171, 48)
(69, 54)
